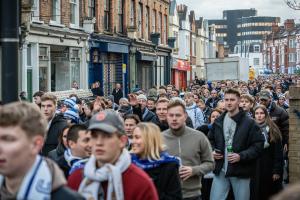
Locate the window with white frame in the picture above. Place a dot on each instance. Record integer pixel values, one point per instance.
(132, 15)
(120, 15)
(106, 15)
(74, 65)
(282, 54)
(44, 68)
(91, 8)
(74, 12)
(140, 19)
(256, 48)
(256, 61)
(165, 29)
(159, 26)
(292, 43)
(298, 56)
(153, 21)
(56, 11)
(292, 57)
(35, 15)
(147, 27)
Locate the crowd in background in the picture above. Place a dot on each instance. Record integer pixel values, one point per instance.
(217, 140)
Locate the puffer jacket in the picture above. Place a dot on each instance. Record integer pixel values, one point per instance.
(248, 142)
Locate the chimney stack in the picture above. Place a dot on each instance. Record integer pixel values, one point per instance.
(289, 24)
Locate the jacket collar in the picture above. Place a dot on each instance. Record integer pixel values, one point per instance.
(237, 118)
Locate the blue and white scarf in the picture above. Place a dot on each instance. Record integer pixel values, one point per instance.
(73, 161)
(150, 164)
(37, 183)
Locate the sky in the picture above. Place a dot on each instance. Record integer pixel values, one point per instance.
(213, 9)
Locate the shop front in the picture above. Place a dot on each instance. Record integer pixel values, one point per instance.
(109, 62)
(53, 62)
(179, 73)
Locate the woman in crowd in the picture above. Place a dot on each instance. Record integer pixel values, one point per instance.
(58, 154)
(148, 154)
(268, 180)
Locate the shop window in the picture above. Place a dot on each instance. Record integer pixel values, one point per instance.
(74, 13)
(43, 68)
(74, 66)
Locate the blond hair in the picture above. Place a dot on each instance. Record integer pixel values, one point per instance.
(152, 139)
(25, 115)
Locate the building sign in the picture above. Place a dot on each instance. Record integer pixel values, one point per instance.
(181, 65)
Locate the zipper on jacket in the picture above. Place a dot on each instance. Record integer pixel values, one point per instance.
(179, 147)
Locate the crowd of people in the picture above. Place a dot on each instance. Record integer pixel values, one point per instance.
(218, 140)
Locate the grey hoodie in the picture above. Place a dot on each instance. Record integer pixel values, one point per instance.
(194, 150)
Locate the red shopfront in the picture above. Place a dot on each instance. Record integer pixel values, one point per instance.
(179, 74)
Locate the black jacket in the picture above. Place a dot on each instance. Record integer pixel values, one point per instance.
(57, 125)
(97, 92)
(138, 111)
(166, 180)
(212, 103)
(281, 118)
(248, 142)
(117, 95)
(162, 125)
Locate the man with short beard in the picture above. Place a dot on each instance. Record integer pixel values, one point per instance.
(191, 146)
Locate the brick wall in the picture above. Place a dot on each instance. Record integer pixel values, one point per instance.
(45, 11)
(294, 135)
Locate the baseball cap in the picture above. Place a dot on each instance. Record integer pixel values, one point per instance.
(264, 95)
(107, 121)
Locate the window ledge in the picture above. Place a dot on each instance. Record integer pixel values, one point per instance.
(55, 23)
(37, 21)
(76, 27)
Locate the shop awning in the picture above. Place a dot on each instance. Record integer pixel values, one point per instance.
(146, 56)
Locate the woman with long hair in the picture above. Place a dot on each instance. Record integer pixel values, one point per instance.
(268, 180)
(148, 154)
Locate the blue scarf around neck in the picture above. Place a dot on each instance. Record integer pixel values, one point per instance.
(150, 164)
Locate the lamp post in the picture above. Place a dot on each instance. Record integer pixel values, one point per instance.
(9, 40)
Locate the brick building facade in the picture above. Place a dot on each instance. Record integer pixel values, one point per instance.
(281, 49)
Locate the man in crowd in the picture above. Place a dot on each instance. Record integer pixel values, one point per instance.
(130, 122)
(109, 172)
(56, 123)
(213, 100)
(161, 114)
(175, 93)
(191, 146)
(193, 111)
(37, 98)
(151, 104)
(139, 104)
(237, 142)
(25, 174)
(78, 151)
(117, 93)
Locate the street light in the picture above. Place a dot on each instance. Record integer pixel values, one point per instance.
(294, 4)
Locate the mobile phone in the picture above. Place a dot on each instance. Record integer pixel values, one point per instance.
(218, 151)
